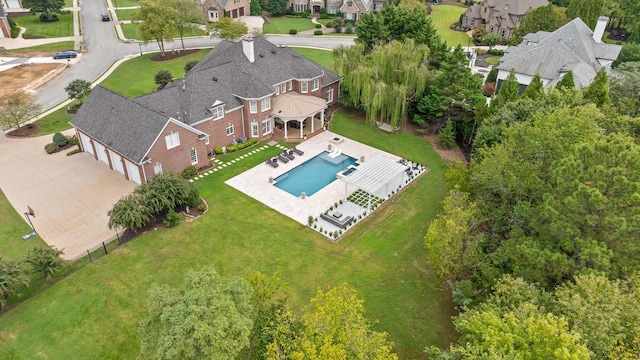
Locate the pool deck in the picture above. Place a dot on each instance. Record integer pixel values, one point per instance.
(255, 182)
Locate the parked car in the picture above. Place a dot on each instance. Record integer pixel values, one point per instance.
(105, 17)
(67, 54)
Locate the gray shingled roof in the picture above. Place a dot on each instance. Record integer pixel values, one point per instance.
(124, 125)
(570, 48)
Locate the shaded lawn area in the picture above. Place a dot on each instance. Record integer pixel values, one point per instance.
(12, 227)
(58, 46)
(94, 313)
(135, 77)
(282, 25)
(130, 31)
(125, 14)
(444, 16)
(61, 28)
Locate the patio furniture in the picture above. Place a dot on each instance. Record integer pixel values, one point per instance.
(282, 158)
(339, 222)
(271, 162)
(298, 152)
(288, 154)
(335, 153)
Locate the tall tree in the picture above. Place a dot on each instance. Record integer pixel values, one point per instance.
(625, 88)
(17, 108)
(228, 28)
(157, 22)
(276, 7)
(598, 90)
(509, 90)
(78, 89)
(566, 82)
(631, 15)
(12, 276)
(587, 10)
(255, 8)
(544, 18)
(535, 89)
(629, 53)
(45, 260)
(208, 317)
(44, 7)
(184, 13)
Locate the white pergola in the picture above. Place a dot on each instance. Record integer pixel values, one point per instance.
(375, 175)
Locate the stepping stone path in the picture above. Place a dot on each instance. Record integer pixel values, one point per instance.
(219, 164)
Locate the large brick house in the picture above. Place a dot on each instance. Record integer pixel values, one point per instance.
(350, 9)
(214, 10)
(500, 17)
(250, 89)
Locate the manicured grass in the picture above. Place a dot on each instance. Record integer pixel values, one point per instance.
(135, 77)
(124, 3)
(55, 122)
(130, 31)
(444, 16)
(58, 46)
(61, 28)
(322, 57)
(493, 60)
(95, 312)
(69, 3)
(12, 227)
(282, 25)
(125, 14)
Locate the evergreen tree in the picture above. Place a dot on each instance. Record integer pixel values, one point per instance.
(509, 90)
(535, 89)
(598, 91)
(566, 82)
(587, 10)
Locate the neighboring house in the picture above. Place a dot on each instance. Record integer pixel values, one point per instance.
(350, 9)
(247, 89)
(573, 47)
(500, 17)
(5, 28)
(214, 10)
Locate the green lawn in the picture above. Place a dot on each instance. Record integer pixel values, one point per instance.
(322, 57)
(130, 31)
(94, 313)
(69, 3)
(55, 122)
(125, 14)
(12, 227)
(442, 17)
(61, 28)
(493, 60)
(135, 77)
(58, 46)
(124, 3)
(282, 25)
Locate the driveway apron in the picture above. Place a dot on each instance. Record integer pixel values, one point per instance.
(70, 195)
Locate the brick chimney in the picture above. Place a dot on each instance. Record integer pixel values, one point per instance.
(598, 32)
(247, 48)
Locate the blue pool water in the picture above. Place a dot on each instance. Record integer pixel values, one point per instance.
(313, 175)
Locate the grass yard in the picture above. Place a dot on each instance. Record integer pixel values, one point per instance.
(94, 313)
(442, 17)
(322, 57)
(61, 28)
(493, 60)
(125, 14)
(55, 122)
(124, 3)
(130, 31)
(68, 3)
(135, 77)
(12, 227)
(282, 25)
(58, 46)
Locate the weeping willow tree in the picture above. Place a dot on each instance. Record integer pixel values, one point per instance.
(384, 81)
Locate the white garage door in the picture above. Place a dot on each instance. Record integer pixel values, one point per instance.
(86, 143)
(134, 173)
(116, 162)
(101, 152)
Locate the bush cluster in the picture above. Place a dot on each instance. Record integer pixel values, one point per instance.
(317, 32)
(496, 52)
(189, 172)
(293, 31)
(318, 26)
(60, 139)
(50, 148)
(231, 148)
(15, 29)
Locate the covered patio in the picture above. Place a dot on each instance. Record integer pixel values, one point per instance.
(297, 116)
(379, 177)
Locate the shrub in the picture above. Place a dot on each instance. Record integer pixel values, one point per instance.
(447, 136)
(15, 29)
(50, 148)
(348, 29)
(318, 26)
(218, 150)
(293, 31)
(310, 220)
(317, 32)
(162, 78)
(488, 89)
(73, 139)
(190, 171)
(49, 18)
(493, 75)
(73, 152)
(189, 65)
(60, 139)
(172, 219)
(202, 207)
(329, 24)
(495, 52)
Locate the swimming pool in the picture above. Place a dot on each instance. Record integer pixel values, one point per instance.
(314, 174)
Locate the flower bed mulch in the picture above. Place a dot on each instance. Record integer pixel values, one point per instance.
(24, 131)
(170, 55)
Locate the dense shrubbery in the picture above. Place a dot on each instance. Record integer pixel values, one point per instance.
(293, 31)
(317, 32)
(60, 139)
(190, 171)
(495, 52)
(231, 148)
(50, 148)
(15, 29)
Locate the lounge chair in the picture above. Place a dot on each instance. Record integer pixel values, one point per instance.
(282, 158)
(271, 162)
(335, 154)
(288, 154)
(298, 152)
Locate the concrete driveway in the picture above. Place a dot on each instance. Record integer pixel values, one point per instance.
(70, 195)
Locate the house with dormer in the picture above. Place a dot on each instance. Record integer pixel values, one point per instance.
(573, 47)
(500, 17)
(350, 9)
(250, 89)
(214, 10)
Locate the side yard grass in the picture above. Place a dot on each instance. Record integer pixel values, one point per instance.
(125, 14)
(282, 25)
(94, 313)
(12, 227)
(442, 17)
(61, 28)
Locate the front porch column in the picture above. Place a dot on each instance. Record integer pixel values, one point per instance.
(322, 118)
(286, 123)
(301, 128)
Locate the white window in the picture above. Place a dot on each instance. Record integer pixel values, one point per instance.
(218, 112)
(230, 129)
(254, 129)
(253, 106)
(194, 156)
(265, 104)
(329, 95)
(304, 87)
(157, 168)
(284, 88)
(290, 85)
(315, 84)
(266, 127)
(277, 89)
(172, 140)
